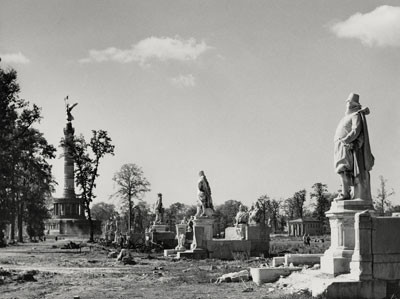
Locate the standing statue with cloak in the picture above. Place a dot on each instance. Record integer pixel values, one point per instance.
(204, 205)
(352, 153)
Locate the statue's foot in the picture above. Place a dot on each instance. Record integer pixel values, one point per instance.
(342, 196)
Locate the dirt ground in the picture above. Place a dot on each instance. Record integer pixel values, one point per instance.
(90, 274)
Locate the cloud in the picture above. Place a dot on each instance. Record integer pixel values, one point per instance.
(158, 48)
(380, 27)
(17, 58)
(184, 81)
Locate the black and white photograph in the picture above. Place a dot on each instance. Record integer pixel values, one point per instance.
(199, 149)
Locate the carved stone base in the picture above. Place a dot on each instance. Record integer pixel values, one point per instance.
(160, 228)
(180, 229)
(337, 258)
(202, 231)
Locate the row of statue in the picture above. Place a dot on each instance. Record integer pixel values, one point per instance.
(205, 207)
(254, 216)
(352, 161)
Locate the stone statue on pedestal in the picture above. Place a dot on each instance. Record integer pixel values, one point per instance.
(255, 213)
(159, 210)
(352, 154)
(205, 205)
(181, 242)
(242, 216)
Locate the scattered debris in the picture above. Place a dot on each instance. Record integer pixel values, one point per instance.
(123, 253)
(27, 275)
(113, 254)
(316, 267)
(128, 260)
(247, 288)
(234, 277)
(4, 272)
(207, 268)
(71, 245)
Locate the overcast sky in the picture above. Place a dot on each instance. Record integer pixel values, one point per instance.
(248, 91)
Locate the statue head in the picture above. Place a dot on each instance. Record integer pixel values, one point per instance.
(159, 195)
(353, 103)
(201, 173)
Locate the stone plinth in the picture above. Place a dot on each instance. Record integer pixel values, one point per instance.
(264, 275)
(181, 236)
(180, 229)
(161, 234)
(337, 258)
(202, 232)
(160, 228)
(228, 249)
(236, 232)
(361, 262)
(258, 232)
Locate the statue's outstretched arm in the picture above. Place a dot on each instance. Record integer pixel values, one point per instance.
(72, 107)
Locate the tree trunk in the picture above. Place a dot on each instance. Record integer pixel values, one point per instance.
(130, 213)
(91, 229)
(20, 222)
(12, 232)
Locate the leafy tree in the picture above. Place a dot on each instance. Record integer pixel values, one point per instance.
(382, 203)
(141, 216)
(395, 208)
(273, 207)
(264, 203)
(174, 213)
(36, 212)
(177, 211)
(87, 158)
(225, 213)
(103, 211)
(299, 199)
(131, 184)
(289, 208)
(294, 206)
(320, 194)
(25, 175)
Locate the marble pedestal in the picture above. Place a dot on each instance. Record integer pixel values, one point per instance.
(202, 232)
(181, 230)
(337, 258)
(160, 228)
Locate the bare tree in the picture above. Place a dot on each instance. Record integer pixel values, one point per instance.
(131, 184)
(382, 203)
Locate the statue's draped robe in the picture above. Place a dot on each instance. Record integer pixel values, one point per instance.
(353, 130)
(204, 192)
